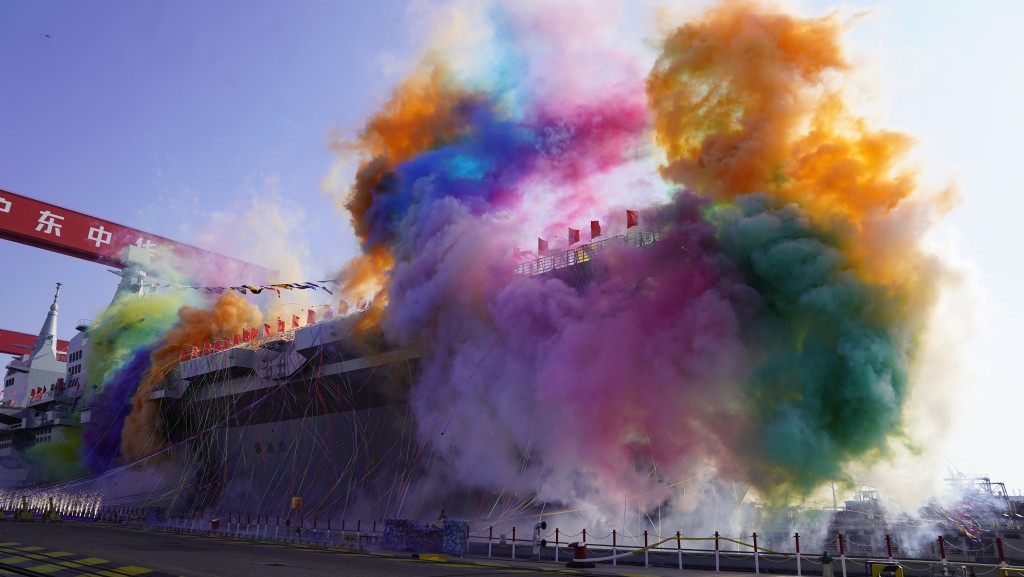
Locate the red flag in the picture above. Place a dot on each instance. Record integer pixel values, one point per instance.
(218, 345)
(542, 246)
(328, 313)
(574, 236)
(280, 326)
(238, 339)
(342, 308)
(253, 334)
(295, 321)
(515, 254)
(632, 218)
(185, 355)
(310, 317)
(245, 335)
(266, 329)
(595, 229)
(207, 348)
(196, 351)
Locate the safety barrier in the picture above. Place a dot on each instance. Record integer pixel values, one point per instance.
(716, 551)
(722, 553)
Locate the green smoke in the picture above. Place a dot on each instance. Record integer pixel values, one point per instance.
(125, 326)
(830, 376)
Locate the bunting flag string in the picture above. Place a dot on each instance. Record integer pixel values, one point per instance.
(254, 289)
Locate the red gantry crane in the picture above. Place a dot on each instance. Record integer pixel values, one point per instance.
(57, 229)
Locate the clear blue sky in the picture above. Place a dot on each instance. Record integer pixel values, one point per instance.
(157, 115)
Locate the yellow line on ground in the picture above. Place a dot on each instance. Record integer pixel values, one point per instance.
(30, 548)
(58, 554)
(92, 561)
(133, 570)
(48, 568)
(14, 559)
(71, 564)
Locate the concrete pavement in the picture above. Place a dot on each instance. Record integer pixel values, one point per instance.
(70, 549)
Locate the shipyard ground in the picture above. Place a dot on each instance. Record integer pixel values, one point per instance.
(73, 549)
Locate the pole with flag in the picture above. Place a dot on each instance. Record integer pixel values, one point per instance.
(574, 236)
(595, 229)
(542, 247)
(632, 218)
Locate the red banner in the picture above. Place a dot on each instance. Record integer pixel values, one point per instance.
(54, 228)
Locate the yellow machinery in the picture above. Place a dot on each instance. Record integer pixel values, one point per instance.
(881, 569)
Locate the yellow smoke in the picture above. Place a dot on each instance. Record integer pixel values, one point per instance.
(747, 99)
(143, 430)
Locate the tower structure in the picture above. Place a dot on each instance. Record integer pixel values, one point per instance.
(39, 370)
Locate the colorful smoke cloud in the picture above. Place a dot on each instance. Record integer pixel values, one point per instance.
(769, 335)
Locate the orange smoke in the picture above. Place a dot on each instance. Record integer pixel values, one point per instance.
(742, 104)
(363, 276)
(143, 431)
(424, 112)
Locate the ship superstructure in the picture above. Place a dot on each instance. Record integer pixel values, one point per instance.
(38, 397)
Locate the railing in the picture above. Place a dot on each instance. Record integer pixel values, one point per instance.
(781, 553)
(745, 553)
(586, 252)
